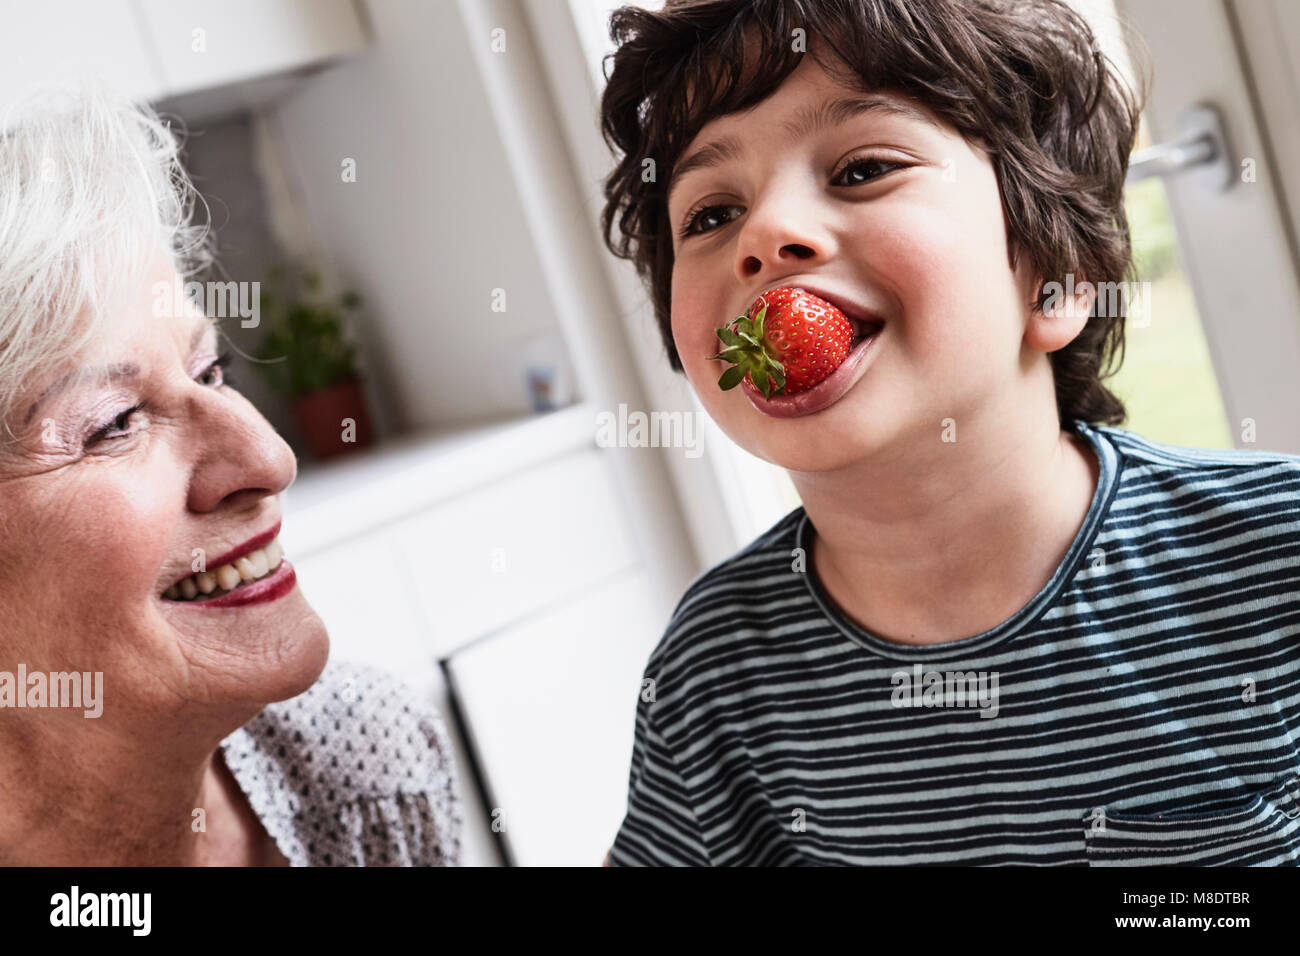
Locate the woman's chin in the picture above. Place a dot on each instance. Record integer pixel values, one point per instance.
(271, 652)
(300, 652)
(304, 660)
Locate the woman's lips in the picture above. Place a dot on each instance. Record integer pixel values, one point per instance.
(825, 393)
(252, 544)
(262, 591)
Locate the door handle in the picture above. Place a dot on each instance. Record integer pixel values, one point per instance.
(1199, 152)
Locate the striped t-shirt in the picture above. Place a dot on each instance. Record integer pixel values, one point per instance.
(1143, 708)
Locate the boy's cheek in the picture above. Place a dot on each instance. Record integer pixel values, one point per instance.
(694, 336)
(697, 370)
(939, 266)
(703, 374)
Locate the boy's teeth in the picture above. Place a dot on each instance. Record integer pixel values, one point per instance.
(256, 564)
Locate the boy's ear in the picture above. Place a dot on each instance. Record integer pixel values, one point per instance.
(1064, 311)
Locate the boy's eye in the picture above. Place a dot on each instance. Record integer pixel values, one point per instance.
(865, 169)
(855, 172)
(702, 215)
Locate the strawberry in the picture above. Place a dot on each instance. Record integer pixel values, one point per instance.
(788, 342)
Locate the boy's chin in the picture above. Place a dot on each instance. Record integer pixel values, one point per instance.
(850, 430)
(817, 458)
(815, 443)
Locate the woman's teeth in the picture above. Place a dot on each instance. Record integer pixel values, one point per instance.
(250, 567)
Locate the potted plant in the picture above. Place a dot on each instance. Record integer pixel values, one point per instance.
(307, 358)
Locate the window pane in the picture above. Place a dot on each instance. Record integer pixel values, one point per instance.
(1167, 381)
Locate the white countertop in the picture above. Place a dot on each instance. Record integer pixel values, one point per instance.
(332, 501)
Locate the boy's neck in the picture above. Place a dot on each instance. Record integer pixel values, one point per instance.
(951, 541)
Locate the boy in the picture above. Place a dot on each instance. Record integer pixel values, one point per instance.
(999, 630)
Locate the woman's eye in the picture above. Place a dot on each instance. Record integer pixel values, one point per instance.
(703, 215)
(865, 170)
(119, 427)
(215, 374)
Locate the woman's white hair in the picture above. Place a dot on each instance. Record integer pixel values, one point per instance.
(91, 190)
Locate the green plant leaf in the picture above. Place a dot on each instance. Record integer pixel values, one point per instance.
(304, 348)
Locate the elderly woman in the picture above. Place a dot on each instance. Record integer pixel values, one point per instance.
(139, 515)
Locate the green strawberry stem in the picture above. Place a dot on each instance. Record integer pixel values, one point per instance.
(750, 354)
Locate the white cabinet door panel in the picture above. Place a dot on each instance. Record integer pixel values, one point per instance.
(363, 594)
(487, 559)
(550, 708)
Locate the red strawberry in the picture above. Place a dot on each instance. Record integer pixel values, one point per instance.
(788, 342)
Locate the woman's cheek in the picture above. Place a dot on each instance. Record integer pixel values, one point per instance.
(117, 532)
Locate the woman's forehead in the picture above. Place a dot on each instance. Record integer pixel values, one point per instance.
(137, 334)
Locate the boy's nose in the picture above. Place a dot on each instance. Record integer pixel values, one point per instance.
(778, 235)
(752, 265)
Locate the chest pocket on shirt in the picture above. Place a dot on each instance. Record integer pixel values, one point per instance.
(1263, 831)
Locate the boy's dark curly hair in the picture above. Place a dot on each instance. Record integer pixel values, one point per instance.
(1023, 79)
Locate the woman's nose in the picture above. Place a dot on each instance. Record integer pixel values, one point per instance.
(783, 230)
(238, 457)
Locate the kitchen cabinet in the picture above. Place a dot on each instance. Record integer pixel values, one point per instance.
(549, 707)
(532, 540)
(207, 43)
(57, 39)
(154, 49)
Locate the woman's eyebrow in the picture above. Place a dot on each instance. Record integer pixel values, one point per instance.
(119, 370)
(202, 330)
(807, 120)
(107, 372)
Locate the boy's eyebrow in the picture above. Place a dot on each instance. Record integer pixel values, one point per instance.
(808, 120)
(110, 372)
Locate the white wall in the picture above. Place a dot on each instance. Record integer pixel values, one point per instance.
(432, 224)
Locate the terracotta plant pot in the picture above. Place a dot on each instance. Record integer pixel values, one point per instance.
(323, 417)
